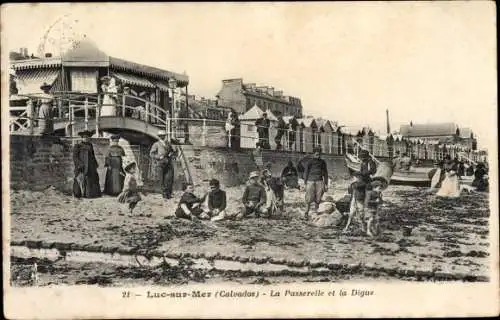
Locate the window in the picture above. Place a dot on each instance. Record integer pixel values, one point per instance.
(251, 128)
(84, 80)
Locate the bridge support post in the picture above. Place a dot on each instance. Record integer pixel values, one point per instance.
(147, 112)
(123, 105)
(72, 119)
(97, 115)
(86, 108)
(31, 116)
(204, 133)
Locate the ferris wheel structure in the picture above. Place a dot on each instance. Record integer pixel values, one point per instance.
(62, 35)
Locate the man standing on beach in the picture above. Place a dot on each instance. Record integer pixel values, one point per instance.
(315, 180)
(163, 152)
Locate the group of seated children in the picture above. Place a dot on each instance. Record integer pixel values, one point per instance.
(211, 207)
(258, 199)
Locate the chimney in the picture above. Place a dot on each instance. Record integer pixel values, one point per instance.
(411, 123)
(25, 52)
(387, 119)
(21, 51)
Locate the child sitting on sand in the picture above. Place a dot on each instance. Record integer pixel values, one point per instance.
(129, 193)
(215, 201)
(190, 205)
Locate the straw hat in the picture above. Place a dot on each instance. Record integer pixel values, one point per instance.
(253, 174)
(85, 133)
(45, 87)
(115, 137)
(162, 133)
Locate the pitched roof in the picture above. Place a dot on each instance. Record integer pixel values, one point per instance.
(428, 130)
(324, 124)
(307, 122)
(256, 113)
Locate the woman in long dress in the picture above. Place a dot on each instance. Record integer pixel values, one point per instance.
(115, 174)
(450, 187)
(109, 91)
(86, 182)
(45, 122)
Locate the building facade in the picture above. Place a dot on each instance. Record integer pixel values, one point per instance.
(80, 71)
(440, 133)
(242, 96)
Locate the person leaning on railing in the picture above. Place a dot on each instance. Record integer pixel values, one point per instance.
(292, 126)
(282, 126)
(263, 125)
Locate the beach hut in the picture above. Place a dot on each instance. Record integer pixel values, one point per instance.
(308, 134)
(325, 135)
(249, 135)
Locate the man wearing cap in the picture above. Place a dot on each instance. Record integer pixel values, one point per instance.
(163, 153)
(263, 125)
(86, 182)
(115, 175)
(315, 180)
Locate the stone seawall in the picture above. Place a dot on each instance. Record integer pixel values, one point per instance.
(37, 163)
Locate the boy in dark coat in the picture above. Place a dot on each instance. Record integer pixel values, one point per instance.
(189, 204)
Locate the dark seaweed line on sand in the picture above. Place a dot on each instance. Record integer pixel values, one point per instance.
(332, 267)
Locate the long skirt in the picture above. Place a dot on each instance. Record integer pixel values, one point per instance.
(450, 187)
(87, 186)
(108, 106)
(113, 184)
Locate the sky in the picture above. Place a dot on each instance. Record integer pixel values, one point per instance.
(348, 62)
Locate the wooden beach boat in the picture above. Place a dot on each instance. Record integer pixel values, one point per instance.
(419, 176)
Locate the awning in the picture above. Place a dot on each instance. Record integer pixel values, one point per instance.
(29, 82)
(163, 86)
(84, 81)
(133, 80)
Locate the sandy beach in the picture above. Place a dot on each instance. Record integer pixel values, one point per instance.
(449, 236)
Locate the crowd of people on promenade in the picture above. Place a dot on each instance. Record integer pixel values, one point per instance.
(263, 125)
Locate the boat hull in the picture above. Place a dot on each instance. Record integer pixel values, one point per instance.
(417, 177)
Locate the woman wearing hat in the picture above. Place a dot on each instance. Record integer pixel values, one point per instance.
(113, 184)
(86, 183)
(45, 122)
(109, 91)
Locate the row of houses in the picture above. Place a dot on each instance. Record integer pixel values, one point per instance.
(80, 69)
(432, 143)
